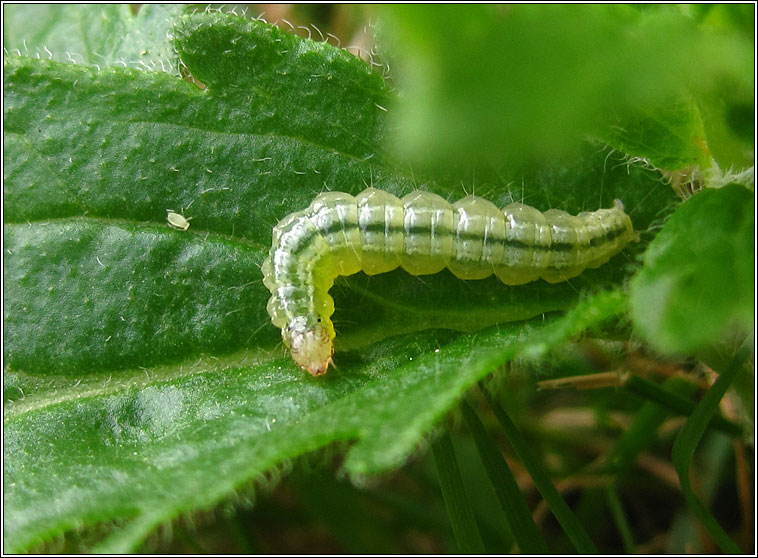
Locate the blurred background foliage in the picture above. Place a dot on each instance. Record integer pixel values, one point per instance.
(534, 81)
(497, 86)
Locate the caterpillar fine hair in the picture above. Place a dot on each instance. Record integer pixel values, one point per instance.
(376, 232)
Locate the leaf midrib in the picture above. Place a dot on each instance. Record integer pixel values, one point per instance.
(144, 226)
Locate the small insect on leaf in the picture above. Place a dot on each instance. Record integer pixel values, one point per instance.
(177, 220)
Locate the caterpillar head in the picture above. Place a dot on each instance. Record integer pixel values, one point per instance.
(310, 344)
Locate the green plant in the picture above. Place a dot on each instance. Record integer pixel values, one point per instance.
(143, 381)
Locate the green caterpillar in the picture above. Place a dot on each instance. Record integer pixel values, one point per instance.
(376, 232)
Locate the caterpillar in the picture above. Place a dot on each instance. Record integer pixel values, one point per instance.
(338, 234)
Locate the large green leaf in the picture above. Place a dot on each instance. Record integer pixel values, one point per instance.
(122, 146)
(146, 448)
(144, 380)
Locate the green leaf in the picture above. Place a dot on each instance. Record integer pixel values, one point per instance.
(118, 451)
(106, 146)
(89, 295)
(153, 142)
(697, 286)
(529, 81)
(670, 138)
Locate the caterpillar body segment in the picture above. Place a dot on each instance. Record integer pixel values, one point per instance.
(376, 232)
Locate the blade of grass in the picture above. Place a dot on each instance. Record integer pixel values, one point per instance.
(241, 533)
(678, 403)
(523, 527)
(643, 431)
(459, 508)
(565, 517)
(687, 440)
(619, 518)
